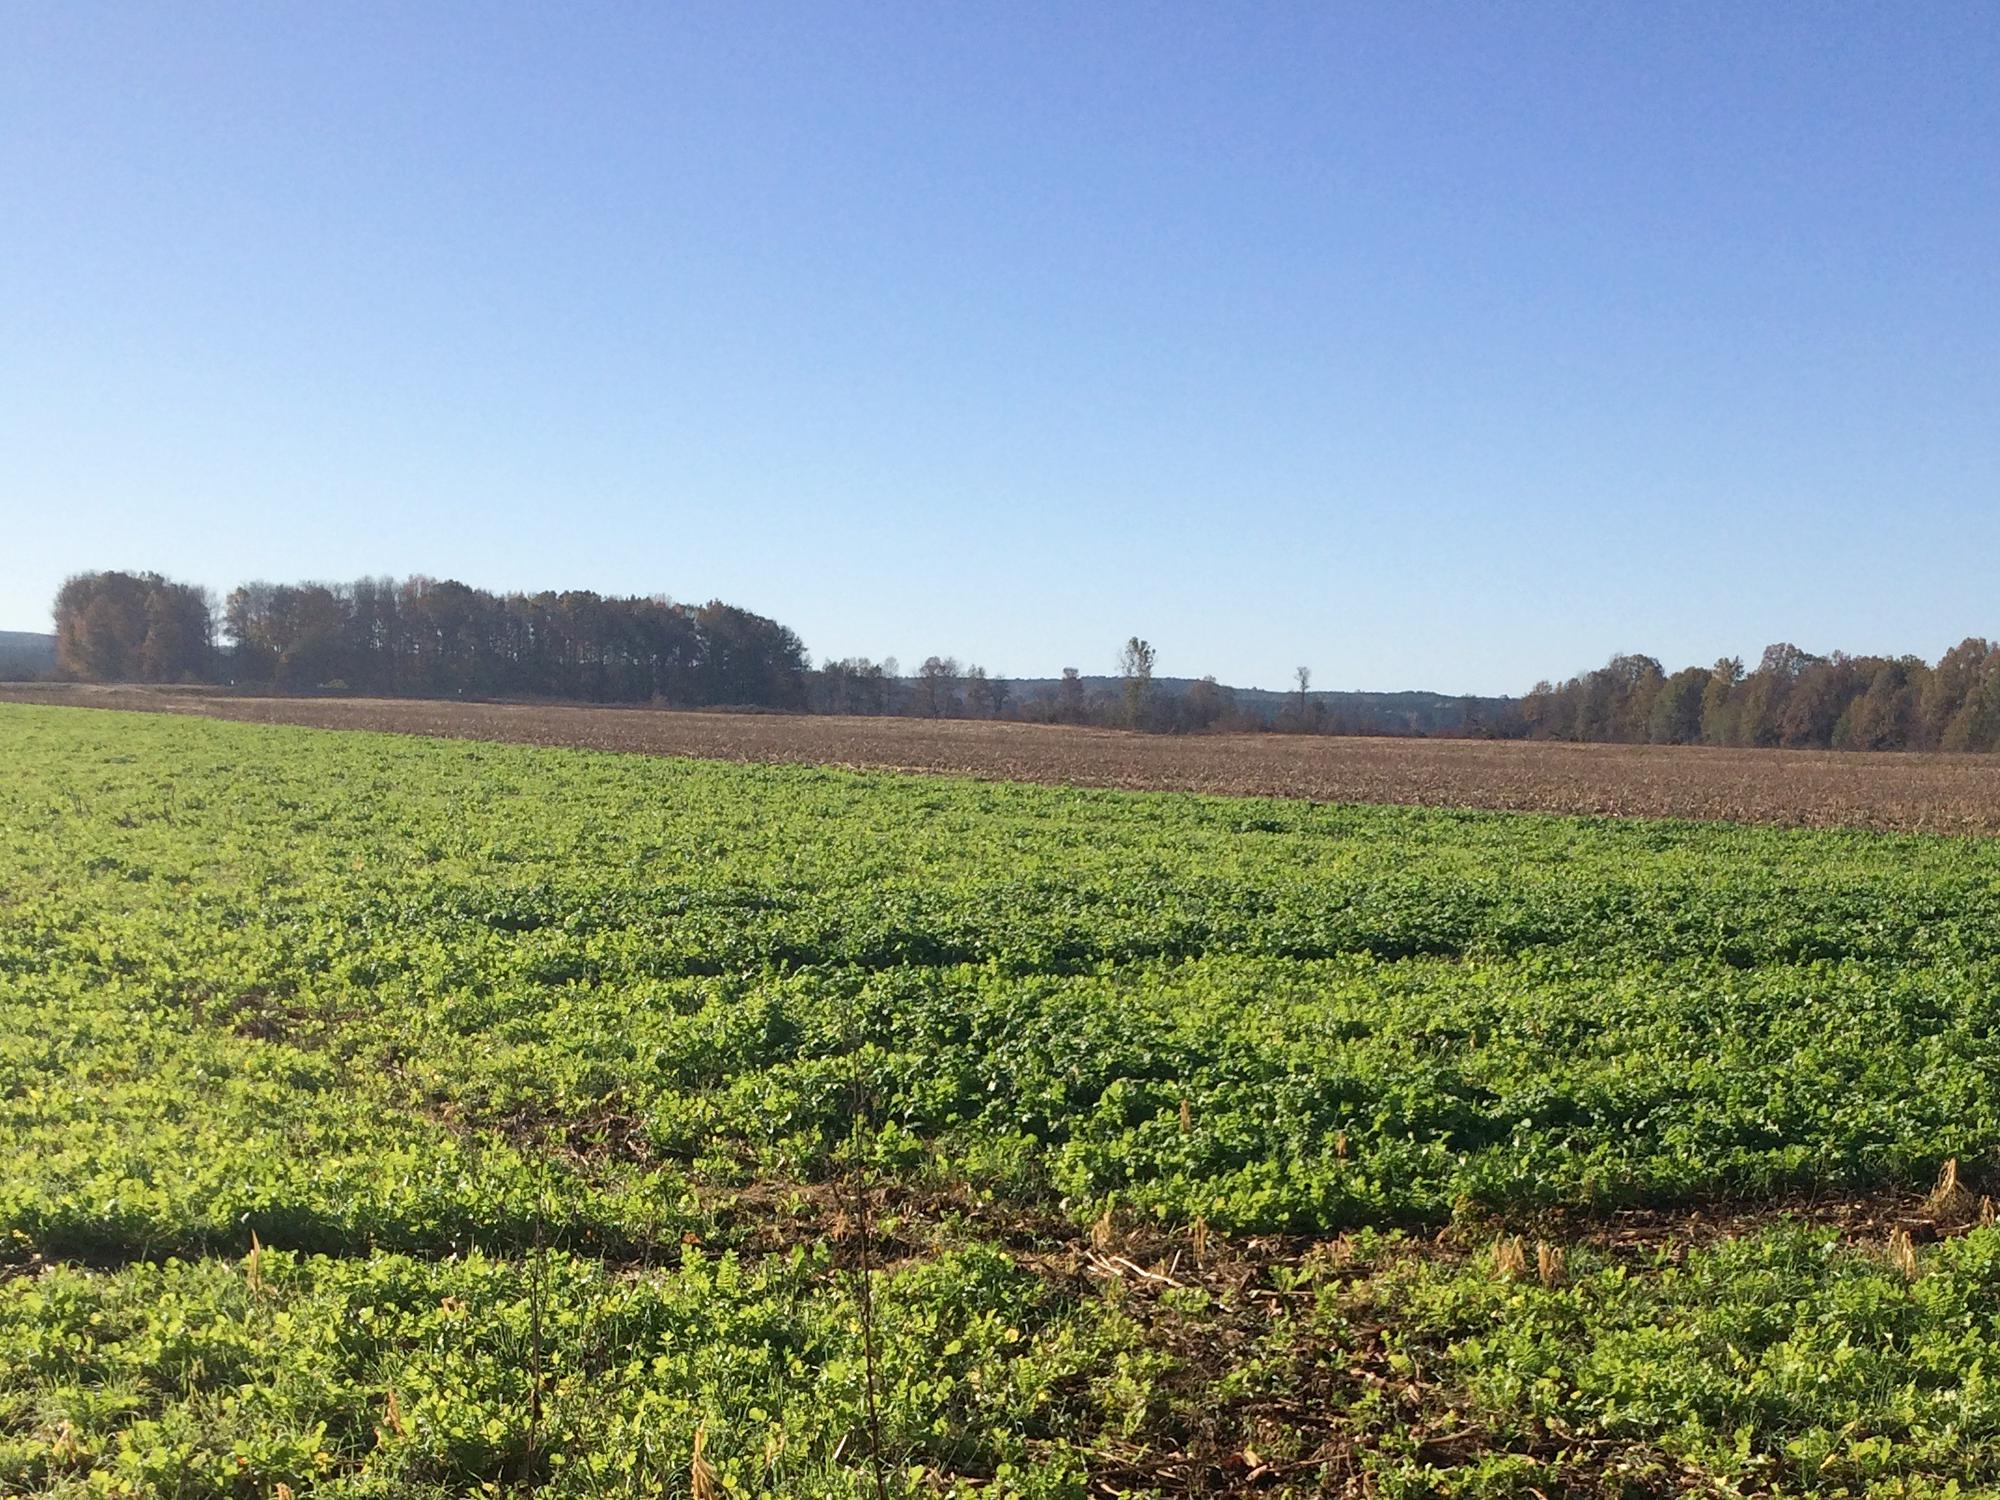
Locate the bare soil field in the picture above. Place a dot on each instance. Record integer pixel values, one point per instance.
(1903, 792)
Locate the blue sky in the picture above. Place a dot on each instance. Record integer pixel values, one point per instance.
(1431, 346)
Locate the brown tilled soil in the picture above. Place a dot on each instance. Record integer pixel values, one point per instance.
(1921, 793)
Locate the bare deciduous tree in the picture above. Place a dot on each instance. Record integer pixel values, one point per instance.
(1070, 705)
(1135, 665)
(937, 686)
(978, 692)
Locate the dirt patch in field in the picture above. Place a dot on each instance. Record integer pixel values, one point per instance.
(1903, 792)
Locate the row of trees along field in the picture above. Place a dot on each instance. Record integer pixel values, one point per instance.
(123, 627)
(1793, 698)
(423, 636)
(941, 688)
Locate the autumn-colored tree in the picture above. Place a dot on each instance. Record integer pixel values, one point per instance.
(1207, 702)
(1793, 698)
(180, 634)
(1718, 702)
(1812, 708)
(113, 627)
(1884, 717)
(441, 637)
(1975, 723)
(1759, 703)
(1675, 717)
(1952, 682)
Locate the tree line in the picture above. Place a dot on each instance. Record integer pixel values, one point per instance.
(426, 637)
(439, 638)
(124, 627)
(941, 688)
(1792, 698)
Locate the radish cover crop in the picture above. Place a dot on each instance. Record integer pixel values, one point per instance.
(383, 1116)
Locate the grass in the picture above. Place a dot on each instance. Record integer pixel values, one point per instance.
(390, 1116)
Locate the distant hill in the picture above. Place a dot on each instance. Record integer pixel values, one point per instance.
(27, 653)
(1384, 713)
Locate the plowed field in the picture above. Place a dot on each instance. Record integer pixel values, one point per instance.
(1906, 793)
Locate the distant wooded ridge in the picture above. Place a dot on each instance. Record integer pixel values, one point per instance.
(423, 637)
(26, 653)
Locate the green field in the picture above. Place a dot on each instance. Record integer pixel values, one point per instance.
(1183, 1140)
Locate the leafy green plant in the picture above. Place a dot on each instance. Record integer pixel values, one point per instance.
(532, 1073)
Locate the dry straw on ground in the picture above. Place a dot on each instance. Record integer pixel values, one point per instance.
(1551, 1263)
(1903, 1253)
(703, 1481)
(1949, 1199)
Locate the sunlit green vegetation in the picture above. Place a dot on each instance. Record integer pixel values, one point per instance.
(547, 1086)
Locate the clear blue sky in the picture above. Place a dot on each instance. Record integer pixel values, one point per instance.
(1439, 347)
